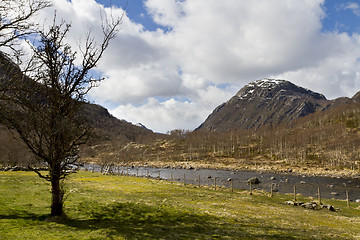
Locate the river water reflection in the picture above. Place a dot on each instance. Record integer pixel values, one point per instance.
(330, 187)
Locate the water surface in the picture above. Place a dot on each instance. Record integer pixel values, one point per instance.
(330, 187)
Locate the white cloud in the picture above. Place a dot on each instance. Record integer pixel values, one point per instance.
(211, 43)
(335, 76)
(165, 12)
(162, 116)
(354, 7)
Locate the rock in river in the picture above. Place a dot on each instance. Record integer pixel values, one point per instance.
(253, 180)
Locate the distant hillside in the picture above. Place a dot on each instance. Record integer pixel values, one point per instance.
(323, 134)
(268, 102)
(108, 127)
(356, 97)
(105, 127)
(323, 141)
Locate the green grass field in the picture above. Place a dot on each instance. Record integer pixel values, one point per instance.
(120, 207)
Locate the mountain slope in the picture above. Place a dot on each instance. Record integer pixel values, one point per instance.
(267, 102)
(356, 97)
(106, 126)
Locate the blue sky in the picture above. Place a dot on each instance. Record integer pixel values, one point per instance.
(174, 61)
(340, 16)
(135, 10)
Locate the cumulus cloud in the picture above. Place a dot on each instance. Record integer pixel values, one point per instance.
(204, 51)
(164, 12)
(173, 113)
(162, 116)
(336, 75)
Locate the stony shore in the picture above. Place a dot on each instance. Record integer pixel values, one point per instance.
(275, 168)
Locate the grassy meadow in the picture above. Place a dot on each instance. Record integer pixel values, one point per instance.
(122, 207)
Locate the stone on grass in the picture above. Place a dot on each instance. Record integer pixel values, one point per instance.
(292, 203)
(329, 207)
(310, 205)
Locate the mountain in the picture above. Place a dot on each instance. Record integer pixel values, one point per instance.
(356, 97)
(106, 127)
(141, 125)
(268, 102)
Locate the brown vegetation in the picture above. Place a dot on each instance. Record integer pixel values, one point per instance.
(324, 141)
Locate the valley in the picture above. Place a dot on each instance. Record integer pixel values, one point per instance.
(322, 140)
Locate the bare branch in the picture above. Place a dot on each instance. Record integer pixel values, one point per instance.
(47, 177)
(16, 21)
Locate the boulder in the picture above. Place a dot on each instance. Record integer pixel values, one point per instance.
(329, 207)
(310, 205)
(292, 203)
(253, 180)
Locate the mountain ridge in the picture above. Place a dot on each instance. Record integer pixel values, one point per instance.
(105, 125)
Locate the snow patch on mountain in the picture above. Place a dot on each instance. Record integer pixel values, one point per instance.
(267, 88)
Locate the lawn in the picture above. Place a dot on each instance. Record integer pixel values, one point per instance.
(121, 207)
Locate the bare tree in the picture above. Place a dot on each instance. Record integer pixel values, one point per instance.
(43, 105)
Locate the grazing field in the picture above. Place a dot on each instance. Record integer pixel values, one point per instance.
(120, 207)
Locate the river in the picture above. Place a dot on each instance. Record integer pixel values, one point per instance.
(330, 187)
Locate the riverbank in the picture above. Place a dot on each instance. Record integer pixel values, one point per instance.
(241, 165)
(307, 185)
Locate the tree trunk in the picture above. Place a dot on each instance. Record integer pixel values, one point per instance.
(56, 194)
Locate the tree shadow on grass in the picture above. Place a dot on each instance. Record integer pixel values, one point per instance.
(25, 215)
(141, 221)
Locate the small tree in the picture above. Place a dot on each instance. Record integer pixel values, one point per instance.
(43, 102)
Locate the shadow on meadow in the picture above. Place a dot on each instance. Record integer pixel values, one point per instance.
(141, 221)
(24, 215)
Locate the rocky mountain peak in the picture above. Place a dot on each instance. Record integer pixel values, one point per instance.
(265, 101)
(268, 88)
